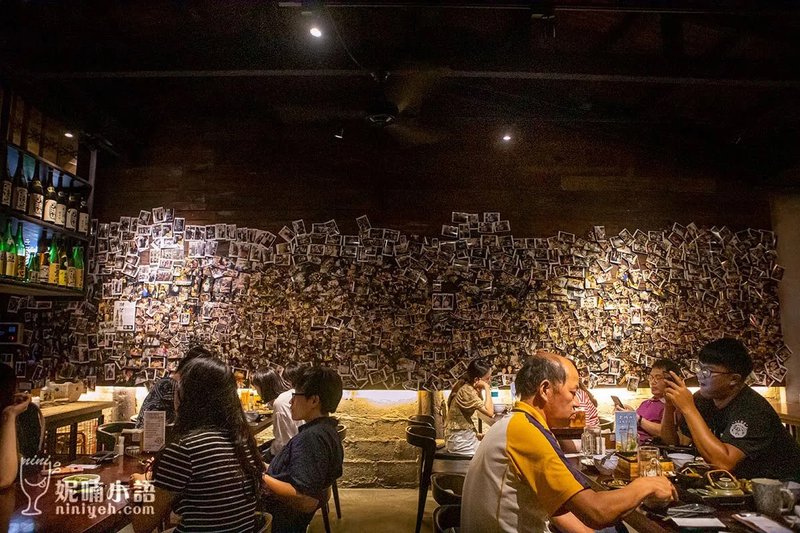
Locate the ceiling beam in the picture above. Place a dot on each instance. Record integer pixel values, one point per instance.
(442, 73)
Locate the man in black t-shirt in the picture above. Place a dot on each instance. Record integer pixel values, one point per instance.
(732, 426)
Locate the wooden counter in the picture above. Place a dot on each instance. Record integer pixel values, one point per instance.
(70, 414)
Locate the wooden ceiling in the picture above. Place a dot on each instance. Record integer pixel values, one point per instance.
(717, 78)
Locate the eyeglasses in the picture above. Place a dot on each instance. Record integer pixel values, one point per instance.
(707, 372)
(655, 378)
(298, 394)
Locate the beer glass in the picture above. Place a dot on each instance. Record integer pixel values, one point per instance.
(649, 461)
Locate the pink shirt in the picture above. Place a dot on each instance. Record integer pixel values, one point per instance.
(651, 410)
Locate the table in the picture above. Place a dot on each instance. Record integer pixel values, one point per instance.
(70, 414)
(261, 425)
(63, 516)
(789, 412)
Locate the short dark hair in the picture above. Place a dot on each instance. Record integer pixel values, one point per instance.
(537, 369)
(668, 365)
(193, 353)
(729, 353)
(293, 371)
(324, 382)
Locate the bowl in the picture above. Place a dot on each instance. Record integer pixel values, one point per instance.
(605, 464)
(499, 408)
(251, 416)
(680, 459)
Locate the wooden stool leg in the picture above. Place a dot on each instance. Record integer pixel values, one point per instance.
(325, 520)
(336, 504)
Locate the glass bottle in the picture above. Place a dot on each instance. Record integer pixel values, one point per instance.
(20, 189)
(78, 260)
(71, 268)
(10, 252)
(20, 251)
(61, 202)
(72, 212)
(32, 269)
(83, 217)
(62, 264)
(3, 255)
(8, 185)
(50, 199)
(43, 257)
(36, 193)
(52, 268)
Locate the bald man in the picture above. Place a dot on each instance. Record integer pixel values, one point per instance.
(520, 480)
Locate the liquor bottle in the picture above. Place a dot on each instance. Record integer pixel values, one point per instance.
(71, 268)
(78, 260)
(52, 267)
(83, 217)
(36, 194)
(44, 265)
(19, 193)
(61, 202)
(62, 264)
(2, 256)
(32, 269)
(8, 186)
(50, 199)
(10, 252)
(20, 251)
(72, 212)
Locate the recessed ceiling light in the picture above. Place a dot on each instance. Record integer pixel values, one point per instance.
(315, 31)
(506, 137)
(339, 134)
(68, 135)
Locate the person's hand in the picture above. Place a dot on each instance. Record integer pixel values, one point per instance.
(138, 477)
(623, 408)
(484, 384)
(677, 393)
(21, 403)
(657, 487)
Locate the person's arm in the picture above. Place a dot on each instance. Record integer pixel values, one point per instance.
(599, 509)
(652, 428)
(713, 450)
(487, 408)
(161, 506)
(669, 426)
(9, 454)
(569, 523)
(288, 494)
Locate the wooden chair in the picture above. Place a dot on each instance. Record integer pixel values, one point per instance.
(425, 420)
(424, 438)
(342, 430)
(446, 518)
(107, 434)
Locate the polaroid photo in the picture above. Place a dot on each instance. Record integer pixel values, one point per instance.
(363, 224)
(7, 359)
(502, 226)
(110, 371)
(20, 369)
(459, 217)
(144, 217)
(491, 217)
(103, 230)
(599, 233)
(287, 234)
(158, 215)
(179, 225)
(449, 231)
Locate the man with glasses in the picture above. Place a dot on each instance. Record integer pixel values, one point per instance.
(732, 426)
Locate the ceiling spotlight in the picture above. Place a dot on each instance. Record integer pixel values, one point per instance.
(339, 134)
(68, 135)
(507, 137)
(315, 31)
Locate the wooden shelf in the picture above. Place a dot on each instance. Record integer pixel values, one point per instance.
(31, 234)
(72, 177)
(23, 288)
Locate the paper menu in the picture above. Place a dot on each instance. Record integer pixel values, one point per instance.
(626, 431)
(154, 430)
(760, 522)
(697, 523)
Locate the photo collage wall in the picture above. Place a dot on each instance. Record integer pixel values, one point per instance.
(395, 311)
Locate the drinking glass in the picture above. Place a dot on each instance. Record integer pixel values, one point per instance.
(649, 461)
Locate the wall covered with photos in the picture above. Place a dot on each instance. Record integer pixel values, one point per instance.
(391, 310)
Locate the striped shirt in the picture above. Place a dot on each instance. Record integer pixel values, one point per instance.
(214, 494)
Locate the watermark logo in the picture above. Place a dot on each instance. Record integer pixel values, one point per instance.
(35, 490)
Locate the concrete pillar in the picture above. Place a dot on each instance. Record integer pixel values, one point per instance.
(786, 224)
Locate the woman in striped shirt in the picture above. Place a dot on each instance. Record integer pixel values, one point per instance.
(210, 474)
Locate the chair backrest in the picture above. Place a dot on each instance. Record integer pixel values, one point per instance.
(342, 431)
(421, 420)
(107, 433)
(447, 488)
(423, 437)
(446, 517)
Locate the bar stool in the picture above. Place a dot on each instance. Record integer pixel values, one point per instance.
(425, 420)
(447, 488)
(446, 518)
(107, 433)
(342, 431)
(424, 438)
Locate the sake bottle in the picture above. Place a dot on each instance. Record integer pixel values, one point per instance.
(8, 186)
(10, 253)
(71, 268)
(61, 202)
(83, 217)
(78, 260)
(19, 247)
(50, 199)
(72, 212)
(19, 193)
(36, 194)
(52, 268)
(62, 265)
(44, 264)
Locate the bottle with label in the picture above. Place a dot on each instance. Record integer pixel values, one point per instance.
(71, 268)
(61, 202)
(10, 252)
(19, 246)
(83, 217)
(78, 261)
(72, 212)
(52, 268)
(50, 199)
(62, 264)
(44, 255)
(32, 269)
(2, 256)
(8, 186)
(19, 193)
(36, 194)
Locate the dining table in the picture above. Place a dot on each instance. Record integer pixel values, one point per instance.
(41, 502)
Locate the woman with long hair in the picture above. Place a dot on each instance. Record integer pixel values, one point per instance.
(210, 473)
(269, 385)
(461, 435)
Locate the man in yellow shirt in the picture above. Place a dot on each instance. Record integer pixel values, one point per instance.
(520, 480)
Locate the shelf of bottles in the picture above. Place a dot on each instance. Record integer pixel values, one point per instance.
(44, 220)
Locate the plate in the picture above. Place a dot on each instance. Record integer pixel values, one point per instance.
(614, 483)
(82, 479)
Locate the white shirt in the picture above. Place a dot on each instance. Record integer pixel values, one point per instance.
(283, 427)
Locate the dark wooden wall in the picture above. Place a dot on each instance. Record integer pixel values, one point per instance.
(254, 174)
